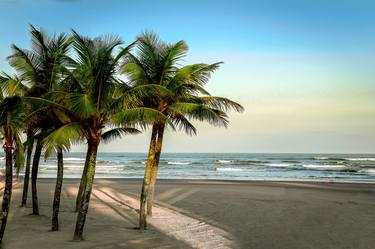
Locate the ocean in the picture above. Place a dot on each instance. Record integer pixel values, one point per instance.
(224, 166)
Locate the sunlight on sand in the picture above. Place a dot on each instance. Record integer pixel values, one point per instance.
(192, 231)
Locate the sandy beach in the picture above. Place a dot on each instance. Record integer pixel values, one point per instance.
(187, 124)
(253, 214)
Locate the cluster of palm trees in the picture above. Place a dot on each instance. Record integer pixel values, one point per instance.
(72, 88)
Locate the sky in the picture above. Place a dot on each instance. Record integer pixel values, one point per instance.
(303, 69)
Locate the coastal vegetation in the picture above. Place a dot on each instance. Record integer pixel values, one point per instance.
(70, 89)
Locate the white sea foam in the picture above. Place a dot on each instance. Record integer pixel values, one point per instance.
(224, 161)
(368, 171)
(74, 159)
(321, 158)
(73, 166)
(179, 163)
(360, 159)
(230, 169)
(79, 167)
(2, 158)
(326, 167)
(281, 165)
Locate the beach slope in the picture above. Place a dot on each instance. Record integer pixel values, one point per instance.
(252, 214)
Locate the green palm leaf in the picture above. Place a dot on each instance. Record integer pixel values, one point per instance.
(63, 137)
(116, 133)
(201, 113)
(12, 85)
(19, 152)
(141, 116)
(220, 103)
(180, 121)
(81, 104)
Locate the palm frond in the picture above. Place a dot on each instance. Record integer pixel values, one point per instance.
(201, 113)
(196, 73)
(45, 103)
(63, 137)
(180, 121)
(116, 133)
(12, 85)
(170, 55)
(141, 116)
(26, 63)
(81, 104)
(19, 152)
(220, 103)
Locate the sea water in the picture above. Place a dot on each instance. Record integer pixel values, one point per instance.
(223, 166)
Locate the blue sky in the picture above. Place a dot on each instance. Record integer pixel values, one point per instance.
(303, 69)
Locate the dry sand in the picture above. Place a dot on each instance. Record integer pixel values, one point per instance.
(252, 215)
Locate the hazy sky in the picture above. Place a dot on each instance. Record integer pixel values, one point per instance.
(303, 69)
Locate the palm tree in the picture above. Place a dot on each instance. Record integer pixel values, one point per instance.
(11, 121)
(183, 98)
(101, 100)
(93, 107)
(14, 86)
(54, 142)
(40, 67)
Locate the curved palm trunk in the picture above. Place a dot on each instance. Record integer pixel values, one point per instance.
(92, 150)
(34, 176)
(82, 184)
(58, 187)
(147, 179)
(154, 171)
(26, 178)
(8, 183)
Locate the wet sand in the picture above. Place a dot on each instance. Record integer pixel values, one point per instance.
(254, 214)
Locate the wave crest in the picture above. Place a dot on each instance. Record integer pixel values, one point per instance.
(232, 169)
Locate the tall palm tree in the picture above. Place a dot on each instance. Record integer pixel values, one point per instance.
(11, 121)
(40, 67)
(11, 86)
(102, 107)
(183, 98)
(14, 86)
(93, 107)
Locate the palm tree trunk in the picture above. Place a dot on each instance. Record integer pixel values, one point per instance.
(17, 168)
(34, 176)
(154, 171)
(58, 187)
(8, 183)
(146, 180)
(82, 184)
(27, 171)
(92, 150)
